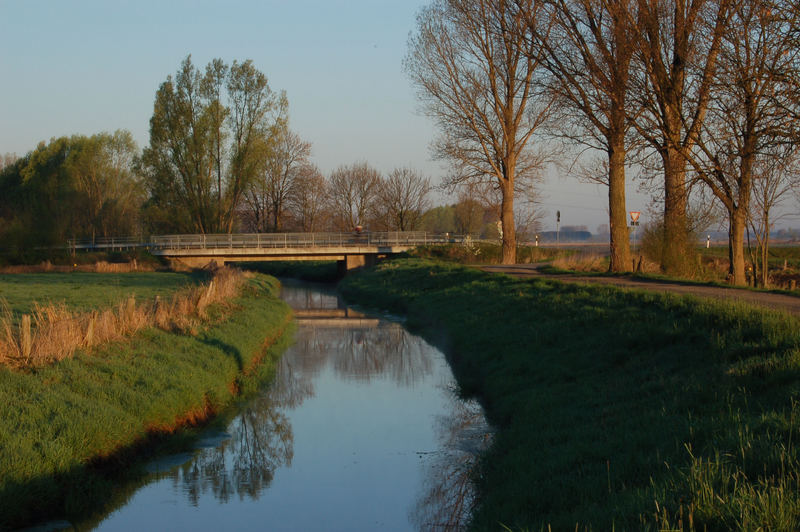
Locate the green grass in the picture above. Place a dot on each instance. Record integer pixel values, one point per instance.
(86, 291)
(67, 428)
(614, 408)
(777, 254)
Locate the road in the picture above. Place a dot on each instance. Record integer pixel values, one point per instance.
(765, 299)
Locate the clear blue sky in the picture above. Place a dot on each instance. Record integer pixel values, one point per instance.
(86, 66)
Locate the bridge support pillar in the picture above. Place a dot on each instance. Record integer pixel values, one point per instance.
(352, 262)
(194, 263)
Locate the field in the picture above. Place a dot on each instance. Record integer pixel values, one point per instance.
(614, 409)
(70, 429)
(86, 291)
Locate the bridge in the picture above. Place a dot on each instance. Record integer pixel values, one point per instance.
(350, 250)
(334, 317)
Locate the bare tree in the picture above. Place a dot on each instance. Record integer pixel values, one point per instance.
(589, 51)
(7, 159)
(288, 154)
(404, 197)
(677, 54)
(309, 199)
(477, 75)
(353, 190)
(775, 177)
(752, 110)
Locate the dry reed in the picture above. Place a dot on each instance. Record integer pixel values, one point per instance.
(52, 332)
(96, 267)
(581, 263)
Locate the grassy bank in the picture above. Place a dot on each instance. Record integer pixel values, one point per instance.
(67, 428)
(87, 291)
(613, 408)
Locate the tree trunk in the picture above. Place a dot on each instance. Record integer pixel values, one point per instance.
(507, 221)
(765, 252)
(674, 246)
(618, 216)
(276, 220)
(736, 247)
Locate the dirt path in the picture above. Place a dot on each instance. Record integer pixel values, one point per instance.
(766, 299)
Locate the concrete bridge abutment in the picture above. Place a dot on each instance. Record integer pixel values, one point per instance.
(353, 262)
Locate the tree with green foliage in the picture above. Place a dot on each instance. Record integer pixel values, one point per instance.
(440, 219)
(71, 187)
(103, 170)
(209, 135)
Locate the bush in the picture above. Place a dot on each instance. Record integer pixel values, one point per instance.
(653, 245)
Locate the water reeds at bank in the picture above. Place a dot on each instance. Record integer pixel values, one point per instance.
(614, 409)
(68, 428)
(53, 332)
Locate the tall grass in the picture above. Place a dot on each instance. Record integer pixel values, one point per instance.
(53, 332)
(581, 263)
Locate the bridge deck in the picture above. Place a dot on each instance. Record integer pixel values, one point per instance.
(268, 241)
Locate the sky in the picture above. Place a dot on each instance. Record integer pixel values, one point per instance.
(87, 66)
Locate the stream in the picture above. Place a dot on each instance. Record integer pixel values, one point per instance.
(360, 430)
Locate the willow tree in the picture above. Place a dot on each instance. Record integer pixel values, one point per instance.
(477, 75)
(102, 167)
(208, 138)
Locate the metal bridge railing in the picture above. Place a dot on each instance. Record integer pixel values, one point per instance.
(267, 240)
(299, 240)
(111, 242)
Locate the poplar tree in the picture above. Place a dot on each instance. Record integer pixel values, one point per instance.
(208, 140)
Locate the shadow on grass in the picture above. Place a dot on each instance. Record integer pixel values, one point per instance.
(614, 408)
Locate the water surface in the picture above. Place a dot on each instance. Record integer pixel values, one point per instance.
(361, 430)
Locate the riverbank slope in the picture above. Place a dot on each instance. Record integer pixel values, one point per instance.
(67, 429)
(614, 408)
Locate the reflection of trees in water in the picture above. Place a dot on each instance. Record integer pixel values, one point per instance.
(292, 384)
(261, 441)
(261, 435)
(449, 497)
(357, 353)
(386, 350)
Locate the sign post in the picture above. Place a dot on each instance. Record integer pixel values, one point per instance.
(634, 223)
(558, 223)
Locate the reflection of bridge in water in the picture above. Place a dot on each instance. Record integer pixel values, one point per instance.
(334, 317)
